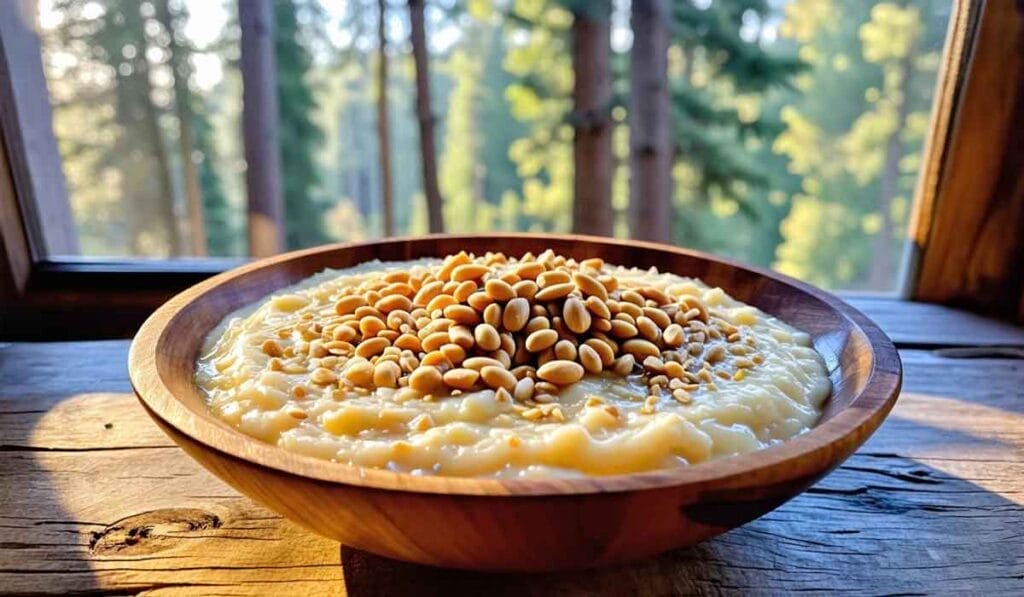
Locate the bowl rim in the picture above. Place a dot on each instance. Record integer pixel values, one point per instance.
(794, 458)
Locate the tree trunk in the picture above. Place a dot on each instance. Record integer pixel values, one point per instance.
(383, 128)
(650, 124)
(592, 139)
(883, 261)
(425, 115)
(260, 123)
(186, 146)
(165, 182)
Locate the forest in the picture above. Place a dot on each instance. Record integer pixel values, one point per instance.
(784, 133)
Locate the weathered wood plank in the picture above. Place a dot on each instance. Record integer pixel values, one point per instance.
(969, 230)
(924, 324)
(95, 498)
(27, 120)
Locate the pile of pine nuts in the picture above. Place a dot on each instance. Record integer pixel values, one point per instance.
(523, 327)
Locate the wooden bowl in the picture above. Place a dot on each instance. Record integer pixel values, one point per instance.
(525, 525)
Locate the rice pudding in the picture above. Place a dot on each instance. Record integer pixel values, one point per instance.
(511, 367)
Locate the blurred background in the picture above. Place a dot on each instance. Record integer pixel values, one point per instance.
(795, 126)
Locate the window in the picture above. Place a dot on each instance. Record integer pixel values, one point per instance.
(798, 127)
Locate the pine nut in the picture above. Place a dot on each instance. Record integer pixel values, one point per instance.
(516, 313)
(589, 358)
(349, 304)
(623, 365)
(479, 363)
(640, 349)
(622, 329)
(462, 335)
(371, 347)
(541, 339)
(498, 377)
(360, 373)
(603, 350)
(322, 376)
(461, 379)
(434, 341)
(386, 374)
(575, 315)
(492, 315)
(499, 290)
(565, 350)
(590, 287)
(440, 301)
(462, 314)
(537, 323)
(554, 292)
(479, 300)
(463, 291)
(427, 292)
(523, 390)
(526, 289)
(426, 380)
(469, 271)
(553, 278)
(598, 307)
(487, 337)
(455, 353)
(561, 372)
(647, 328)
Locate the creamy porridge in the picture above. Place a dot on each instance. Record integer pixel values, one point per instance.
(511, 367)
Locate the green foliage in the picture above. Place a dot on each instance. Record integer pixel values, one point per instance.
(113, 42)
(723, 76)
(477, 175)
(798, 125)
(854, 134)
(300, 136)
(222, 235)
(540, 100)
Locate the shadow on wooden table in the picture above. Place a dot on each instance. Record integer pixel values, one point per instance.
(881, 523)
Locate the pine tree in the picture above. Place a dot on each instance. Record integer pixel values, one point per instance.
(540, 98)
(222, 233)
(650, 123)
(116, 37)
(203, 189)
(466, 209)
(425, 115)
(855, 134)
(177, 61)
(479, 178)
(300, 137)
(591, 117)
(494, 112)
(387, 199)
(711, 134)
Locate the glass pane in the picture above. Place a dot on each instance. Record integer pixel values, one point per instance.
(138, 90)
(797, 124)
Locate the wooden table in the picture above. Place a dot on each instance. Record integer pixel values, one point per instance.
(95, 499)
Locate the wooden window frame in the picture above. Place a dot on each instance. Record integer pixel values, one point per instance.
(970, 160)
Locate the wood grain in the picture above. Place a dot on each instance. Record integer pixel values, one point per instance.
(970, 238)
(934, 502)
(517, 524)
(925, 324)
(26, 120)
(15, 252)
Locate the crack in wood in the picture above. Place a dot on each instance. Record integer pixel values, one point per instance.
(151, 531)
(23, 448)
